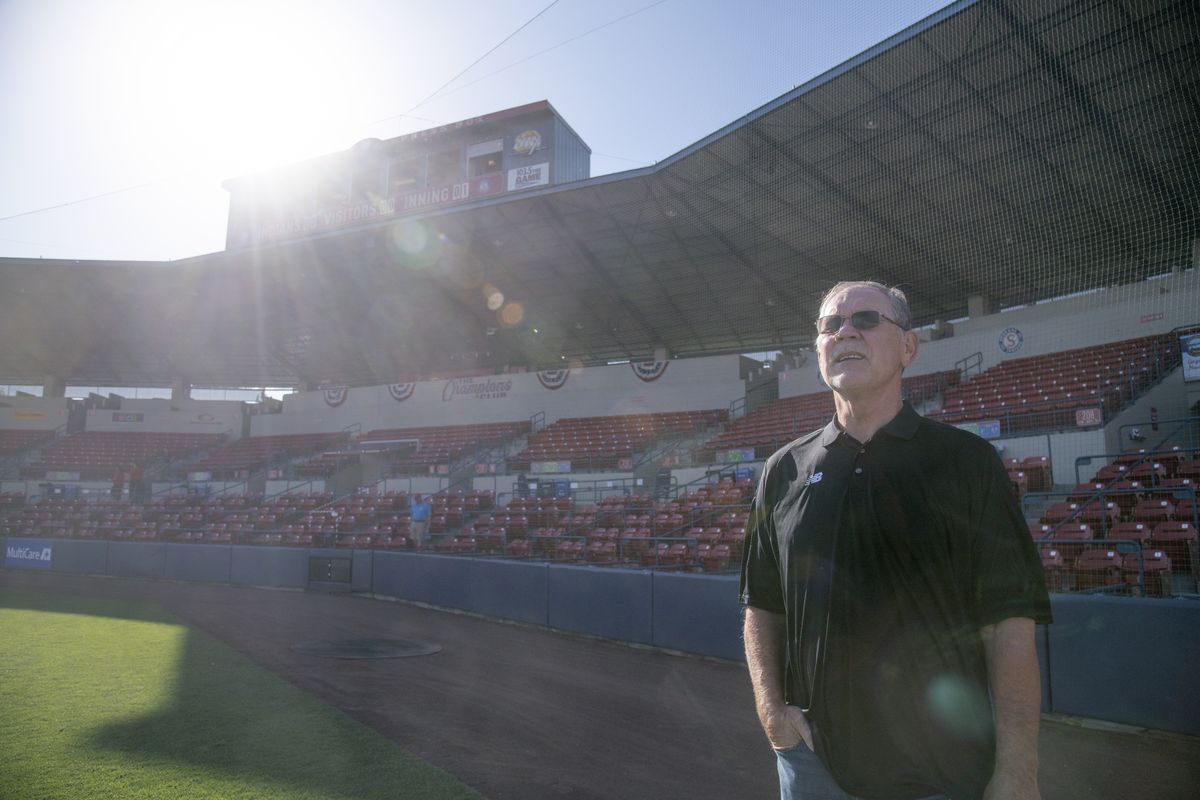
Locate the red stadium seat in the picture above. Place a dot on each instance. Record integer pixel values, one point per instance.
(1176, 540)
(1096, 568)
(1155, 571)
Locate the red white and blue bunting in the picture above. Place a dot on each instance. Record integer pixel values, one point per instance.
(553, 378)
(402, 391)
(649, 370)
(335, 395)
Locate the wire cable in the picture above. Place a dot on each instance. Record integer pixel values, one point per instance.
(472, 65)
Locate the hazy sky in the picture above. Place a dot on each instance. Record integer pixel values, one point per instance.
(147, 105)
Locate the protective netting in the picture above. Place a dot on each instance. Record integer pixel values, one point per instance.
(1012, 151)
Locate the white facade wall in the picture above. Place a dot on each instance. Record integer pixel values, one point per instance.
(687, 384)
(33, 413)
(220, 419)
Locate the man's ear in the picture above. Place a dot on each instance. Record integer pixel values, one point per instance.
(909, 347)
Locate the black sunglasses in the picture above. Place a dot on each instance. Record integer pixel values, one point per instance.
(863, 320)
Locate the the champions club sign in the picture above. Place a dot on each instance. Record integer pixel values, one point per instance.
(476, 389)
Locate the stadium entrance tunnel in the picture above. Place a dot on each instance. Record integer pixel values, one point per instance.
(367, 648)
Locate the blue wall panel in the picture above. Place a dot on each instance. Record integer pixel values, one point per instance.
(437, 580)
(80, 555)
(198, 562)
(1128, 660)
(360, 569)
(137, 559)
(265, 566)
(613, 603)
(698, 614)
(508, 590)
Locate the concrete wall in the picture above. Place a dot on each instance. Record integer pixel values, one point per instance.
(1127, 660)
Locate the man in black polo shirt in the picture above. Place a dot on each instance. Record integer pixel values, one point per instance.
(891, 589)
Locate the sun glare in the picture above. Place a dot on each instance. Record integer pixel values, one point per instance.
(231, 88)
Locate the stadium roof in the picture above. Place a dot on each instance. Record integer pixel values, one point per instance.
(1011, 150)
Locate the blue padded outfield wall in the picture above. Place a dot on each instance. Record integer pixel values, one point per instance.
(1128, 660)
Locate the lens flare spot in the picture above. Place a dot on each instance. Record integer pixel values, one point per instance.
(495, 297)
(411, 237)
(960, 706)
(512, 314)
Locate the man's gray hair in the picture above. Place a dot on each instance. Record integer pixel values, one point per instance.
(895, 296)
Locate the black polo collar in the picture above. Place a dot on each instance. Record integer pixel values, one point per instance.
(902, 426)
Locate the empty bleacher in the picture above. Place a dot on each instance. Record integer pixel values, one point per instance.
(1042, 392)
(1131, 528)
(416, 451)
(16, 441)
(596, 443)
(701, 530)
(98, 453)
(767, 429)
(256, 452)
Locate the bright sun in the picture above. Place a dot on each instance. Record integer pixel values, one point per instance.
(227, 88)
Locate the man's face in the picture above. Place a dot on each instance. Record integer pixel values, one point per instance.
(860, 363)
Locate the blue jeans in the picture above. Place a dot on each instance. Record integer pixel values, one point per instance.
(802, 776)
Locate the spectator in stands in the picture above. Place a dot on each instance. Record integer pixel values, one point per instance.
(889, 582)
(137, 485)
(421, 511)
(118, 484)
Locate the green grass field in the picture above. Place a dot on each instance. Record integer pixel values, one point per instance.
(111, 699)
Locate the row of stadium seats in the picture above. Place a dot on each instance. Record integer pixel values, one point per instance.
(768, 428)
(1045, 391)
(14, 441)
(601, 442)
(250, 452)
(98, 453)
(463, 522)
(1106, 568)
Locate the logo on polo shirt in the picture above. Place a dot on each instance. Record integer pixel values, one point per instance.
(811, 479)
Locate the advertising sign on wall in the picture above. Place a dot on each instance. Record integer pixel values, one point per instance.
(476, 388)
(28, 554)
(1189, 350)
(985, 429)
(528, 177)
(549, 467)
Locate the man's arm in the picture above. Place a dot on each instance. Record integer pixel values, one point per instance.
(765, 636)
(1015, 680)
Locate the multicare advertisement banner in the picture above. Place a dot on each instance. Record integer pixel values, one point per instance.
(28, 554)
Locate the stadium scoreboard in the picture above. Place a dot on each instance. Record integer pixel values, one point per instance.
(514, 150)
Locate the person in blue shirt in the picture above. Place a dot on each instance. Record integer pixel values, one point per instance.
(419, 531)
